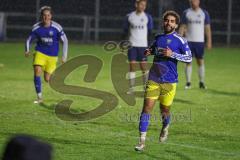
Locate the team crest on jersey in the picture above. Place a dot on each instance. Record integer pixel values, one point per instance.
(169, 41)
(142, 19)
(50, 33)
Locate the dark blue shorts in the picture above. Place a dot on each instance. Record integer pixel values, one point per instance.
(197, 49)
(137, 54)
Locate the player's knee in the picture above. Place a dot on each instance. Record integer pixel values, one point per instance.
(47, 78)
(147, 109)
(165, 110)
(132, 66)
(37, 71)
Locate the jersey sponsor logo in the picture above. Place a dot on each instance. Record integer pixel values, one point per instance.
(137, 26)
(190, 21)
(46, 40)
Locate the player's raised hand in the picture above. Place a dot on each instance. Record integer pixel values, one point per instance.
(27, 54)
(167, 52)
(147, 52)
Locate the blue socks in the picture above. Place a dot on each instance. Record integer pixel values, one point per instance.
(37, 83)
(166, 120)
(144, 122)
(145, 118)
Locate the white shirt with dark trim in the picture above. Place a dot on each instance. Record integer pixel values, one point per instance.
(195, 21)
(138, 26)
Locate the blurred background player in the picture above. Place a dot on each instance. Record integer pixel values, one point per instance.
(48, 34)
(196, 22)
(138, 26)
(168, 48)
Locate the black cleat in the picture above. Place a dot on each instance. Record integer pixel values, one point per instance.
(188, 85)
(202, 85)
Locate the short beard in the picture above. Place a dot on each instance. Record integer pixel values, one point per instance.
(170, 31)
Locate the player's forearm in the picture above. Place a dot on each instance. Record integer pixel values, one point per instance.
(208, 34)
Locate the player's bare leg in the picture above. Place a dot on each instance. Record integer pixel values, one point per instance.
(143, 66)
(37, 83)
(165, 112)
(47, 77)
(201, 73)
(132, 76)
(144, 122)
(188, 73)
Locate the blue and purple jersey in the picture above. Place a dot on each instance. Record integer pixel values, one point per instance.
(47, 39)
(164, 69)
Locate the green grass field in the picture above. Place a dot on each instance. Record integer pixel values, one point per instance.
(206, 123)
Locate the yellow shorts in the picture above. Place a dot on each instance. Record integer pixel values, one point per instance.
(48, 63)
(164, 92)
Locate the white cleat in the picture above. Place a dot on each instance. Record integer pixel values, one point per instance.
(38, 101)
(141, 144)
(188, 85)
(140, 147)
(164, 134)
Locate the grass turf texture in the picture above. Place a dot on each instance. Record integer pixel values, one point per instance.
(205, 122)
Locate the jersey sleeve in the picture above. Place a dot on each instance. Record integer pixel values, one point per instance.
(63, 38)
(29, 40)
(184, 53)
(184, 17)
(65, 44)
(207, 18)
(61, 32)
(150, 22)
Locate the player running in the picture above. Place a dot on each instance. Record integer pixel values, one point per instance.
(196, 22)
(168, 48)
(48, 34)
(138, 26)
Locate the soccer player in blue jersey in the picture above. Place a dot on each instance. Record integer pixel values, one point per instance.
(47, 34)
(138, 25)
(168, 48)
(196, 23)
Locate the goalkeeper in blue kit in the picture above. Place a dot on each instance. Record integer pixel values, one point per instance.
(168, 48)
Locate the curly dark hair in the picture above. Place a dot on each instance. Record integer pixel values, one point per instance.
(172, 13)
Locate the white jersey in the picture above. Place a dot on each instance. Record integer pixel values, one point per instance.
(138, 27)
(195, 21)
